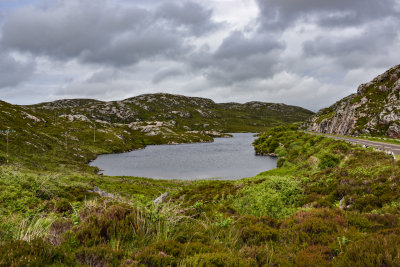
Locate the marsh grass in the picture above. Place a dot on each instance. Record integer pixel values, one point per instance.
(34, 228)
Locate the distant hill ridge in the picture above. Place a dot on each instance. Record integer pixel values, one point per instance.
(192, 112)
(74, 131)
(373, 110)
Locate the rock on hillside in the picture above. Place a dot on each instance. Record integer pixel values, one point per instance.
(187, 113)
(373, 110)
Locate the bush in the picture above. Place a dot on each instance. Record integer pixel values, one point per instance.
(377, 250)
(34, 253)
(98, 256)
(328, 161)
(315, 227)
(280, 162)
(257, 234)
(151, 256)
(277, 197)
(217, 260)
(120, 222)
(170, 252)
(317, 255)
(261, 254)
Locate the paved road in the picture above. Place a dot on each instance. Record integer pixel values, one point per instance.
(382, 146)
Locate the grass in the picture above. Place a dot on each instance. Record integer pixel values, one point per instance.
(33, 229)
(326, 200)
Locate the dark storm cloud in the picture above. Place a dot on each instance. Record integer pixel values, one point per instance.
(68, 31)
(133, 47)
(239, 58)
(351, 51)
(260, 55)
(191, 16)
(293, 51)
(98, 33)
(280, 14)
(13, 72)
(238, 46)
(341, 36)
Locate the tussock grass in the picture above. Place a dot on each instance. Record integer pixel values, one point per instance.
(34, 228)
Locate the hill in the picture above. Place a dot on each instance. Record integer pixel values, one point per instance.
(188, 113)
(328, 203)
(374, 110)
(72, 132)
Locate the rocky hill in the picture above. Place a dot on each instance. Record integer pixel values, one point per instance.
(185, 113)
(373, 110)
(72, 132)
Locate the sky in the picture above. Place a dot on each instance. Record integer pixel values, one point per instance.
(309, 53)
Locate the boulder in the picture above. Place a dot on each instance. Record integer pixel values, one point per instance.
(161, 199)
(393, 131)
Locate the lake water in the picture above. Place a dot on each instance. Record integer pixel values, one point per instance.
(225, 158)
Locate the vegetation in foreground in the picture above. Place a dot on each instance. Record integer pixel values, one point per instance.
(328, 204)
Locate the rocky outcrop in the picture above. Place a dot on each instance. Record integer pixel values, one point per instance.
(188, 113)
(373, 110)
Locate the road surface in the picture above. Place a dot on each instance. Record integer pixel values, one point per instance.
(379, 145)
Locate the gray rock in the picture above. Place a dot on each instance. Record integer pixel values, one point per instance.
(161, 199)
(393, 131)
(342, 204)
(101, 192)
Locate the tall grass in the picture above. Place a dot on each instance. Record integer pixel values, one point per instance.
(36, 227)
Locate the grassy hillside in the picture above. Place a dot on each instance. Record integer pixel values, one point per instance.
(66, 134)
(328, 204)
(43, 141)
(188, 113)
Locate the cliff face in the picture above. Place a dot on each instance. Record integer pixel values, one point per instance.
(374, 110)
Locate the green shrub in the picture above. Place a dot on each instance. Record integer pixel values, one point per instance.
(316, 255)
(328, 161)
(263, 255)
(151, 256)
(122, 222)
(98, 256)
(314, 227)
(170, 252)
(340, 147)
(280, 162)
(34, 253)
(257, 234)
(359, 221)
(377, 250)
(277, 197)
(217, 260)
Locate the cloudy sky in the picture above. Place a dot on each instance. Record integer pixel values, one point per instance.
(302, 52)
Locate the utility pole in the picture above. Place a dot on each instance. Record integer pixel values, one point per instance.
(94, 132)
(7, 133)
(66, 141)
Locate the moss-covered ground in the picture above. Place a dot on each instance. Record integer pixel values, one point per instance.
(328, 203)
